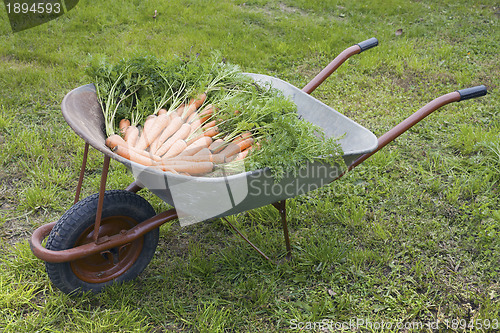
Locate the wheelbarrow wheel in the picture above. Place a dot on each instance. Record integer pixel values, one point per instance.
(122, 210)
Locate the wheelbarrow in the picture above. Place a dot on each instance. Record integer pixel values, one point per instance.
(111, 236)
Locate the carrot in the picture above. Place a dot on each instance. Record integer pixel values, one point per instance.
(209, 124)
(192, 117)
(208, 132)
(133, 156)
(242, 136)
(203, 115)
(174, 125)
(144, 141)
(200, 100)
(153, 130)
(181, 134)
(196, 146)
(202, 152)
(170, 170)
(144, 153)
(245, 143)
(211, 132)
(199, 168)
(173, 161)
(131, 135)
(206, 113)
(217, 146)
(188, 111)
(195, 158)
(218, 159)
(164, 121)
(201, 156)
(242, 155)
(194, 105)
(124, 124)
(180, 110)
(162, 111)
(221, 158)
(195, 125)
(114, 140)
(175, 149)
(230, 150)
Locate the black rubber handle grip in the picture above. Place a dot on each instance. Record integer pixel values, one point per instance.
(472, 92)
(368, 44)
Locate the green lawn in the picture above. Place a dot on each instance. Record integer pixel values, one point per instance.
(411, 236)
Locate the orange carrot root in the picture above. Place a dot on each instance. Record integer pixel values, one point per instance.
(124, 124)
(175, 149)
(211, 132)
(217, 146)
(242, 136)
(199, 168)
(114, 140)
(181, 134)
(172, 128)
(133, 156)
(195, 125)
(230, 150)
(145, 138)
(242, 155)
(193, 148)
(209, 124)
(206, 113)
(131, 135)
(246, 143)
(204, 151)
(180, 110)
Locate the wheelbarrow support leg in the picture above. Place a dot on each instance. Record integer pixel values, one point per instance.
(281, 207)
(82, 173)
(102, 189)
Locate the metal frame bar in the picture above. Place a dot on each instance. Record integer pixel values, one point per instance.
(246, 240)
(103, 243)
(100, 201)
(82, 173)
(328, 70)
(281, 207)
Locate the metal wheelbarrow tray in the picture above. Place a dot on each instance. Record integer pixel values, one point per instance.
(115, 248)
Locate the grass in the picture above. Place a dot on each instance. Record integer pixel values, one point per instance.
(411, 235)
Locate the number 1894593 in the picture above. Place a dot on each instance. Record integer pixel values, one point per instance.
(33, 8)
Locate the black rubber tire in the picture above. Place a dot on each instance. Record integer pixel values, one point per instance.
(80, 217)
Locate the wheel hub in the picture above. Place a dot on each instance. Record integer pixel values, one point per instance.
(111, 263)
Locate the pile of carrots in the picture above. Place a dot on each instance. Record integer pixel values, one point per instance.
(184, 141)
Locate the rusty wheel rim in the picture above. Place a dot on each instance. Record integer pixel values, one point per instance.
(112, 263)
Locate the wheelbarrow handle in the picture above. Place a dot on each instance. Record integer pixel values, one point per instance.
(339, 60)
(367, 44)
(416, 117)
(472, 92)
